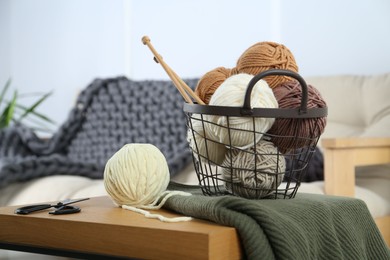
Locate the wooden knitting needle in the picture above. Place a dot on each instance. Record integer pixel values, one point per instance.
(146, 41)
(183, 84)
(178, 82)
(187, 88)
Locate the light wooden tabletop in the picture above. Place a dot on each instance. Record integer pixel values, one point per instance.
(102, 228)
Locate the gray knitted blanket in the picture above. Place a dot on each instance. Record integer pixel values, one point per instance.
(108, 114)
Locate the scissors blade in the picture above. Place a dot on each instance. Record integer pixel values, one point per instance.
(69, 201)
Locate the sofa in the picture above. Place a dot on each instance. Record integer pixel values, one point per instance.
(359, 118)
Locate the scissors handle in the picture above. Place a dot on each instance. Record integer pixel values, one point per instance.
(65, 210)
(28, 209)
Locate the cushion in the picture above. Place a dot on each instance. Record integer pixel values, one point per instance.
(373, 190)
(357, 105)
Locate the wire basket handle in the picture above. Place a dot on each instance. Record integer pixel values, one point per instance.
(247, 110)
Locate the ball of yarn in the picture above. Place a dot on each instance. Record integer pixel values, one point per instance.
(292, 133)
(239, 131)
(136, 175)
(210, 81)
(252, 173)
(202, 143)
(263, 56)
(233, 71)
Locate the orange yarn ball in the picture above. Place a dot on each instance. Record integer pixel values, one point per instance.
(210, 82)
(263, 56)
(259, 57)
(234, 71)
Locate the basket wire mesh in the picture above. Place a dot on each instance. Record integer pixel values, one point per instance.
(218, 177)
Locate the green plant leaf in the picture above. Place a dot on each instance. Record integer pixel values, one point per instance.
(11, 111)
(8, 113)
(34, 113)
(36, 122)
(4, 90)
(35, 105)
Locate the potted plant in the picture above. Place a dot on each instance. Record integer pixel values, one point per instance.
(12, 112)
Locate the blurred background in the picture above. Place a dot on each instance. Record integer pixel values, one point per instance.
(63, 45)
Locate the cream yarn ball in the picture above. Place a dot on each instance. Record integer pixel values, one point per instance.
(239, 170)
(232, 93)
(203, 142)
(136, 177)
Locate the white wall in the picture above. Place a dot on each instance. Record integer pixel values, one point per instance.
(196, 36)
(338, 37)
(5, 69)
(62, 45)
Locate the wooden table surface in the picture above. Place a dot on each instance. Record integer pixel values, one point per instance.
(102, 228)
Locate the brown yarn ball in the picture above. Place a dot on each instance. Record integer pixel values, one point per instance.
(292, 133)
(263, 56)
(210, 82)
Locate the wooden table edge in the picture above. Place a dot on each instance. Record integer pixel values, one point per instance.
(179, 239)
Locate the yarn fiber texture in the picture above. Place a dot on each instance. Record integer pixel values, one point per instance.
(254, 173)
(203, 143)
(239, 131)
(259, 57)
(292, 133)
(264, 56)
(136, 175)
(108, 114)
(136, 178)
(210, 81)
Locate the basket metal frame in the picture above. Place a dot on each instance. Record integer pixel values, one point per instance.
(209, 173)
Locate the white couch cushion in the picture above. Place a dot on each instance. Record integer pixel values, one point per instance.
(51, 188)
(374, 191)
(357, 105)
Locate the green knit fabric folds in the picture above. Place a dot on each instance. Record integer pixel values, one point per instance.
(309, 226)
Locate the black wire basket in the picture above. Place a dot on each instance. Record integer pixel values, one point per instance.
(261, 169)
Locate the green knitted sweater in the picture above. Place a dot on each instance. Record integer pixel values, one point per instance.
(309, 226)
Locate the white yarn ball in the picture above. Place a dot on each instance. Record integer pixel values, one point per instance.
(232, 93)
(239, 170)
(136, 175)
(203, 142)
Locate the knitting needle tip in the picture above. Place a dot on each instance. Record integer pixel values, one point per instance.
(145, 40)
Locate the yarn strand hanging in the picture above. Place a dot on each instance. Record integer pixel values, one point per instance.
(165, 195)
(156, 216)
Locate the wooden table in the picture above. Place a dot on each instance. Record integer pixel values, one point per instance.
(102, 230)
(343, 155)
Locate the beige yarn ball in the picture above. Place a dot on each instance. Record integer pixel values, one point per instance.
(239, 170)
(201, 142)
(232, 93)
(136, 175)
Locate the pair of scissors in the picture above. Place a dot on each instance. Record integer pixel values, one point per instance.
(60, 208)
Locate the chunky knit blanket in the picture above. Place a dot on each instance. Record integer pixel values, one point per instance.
(108, 114)
(306, 227)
